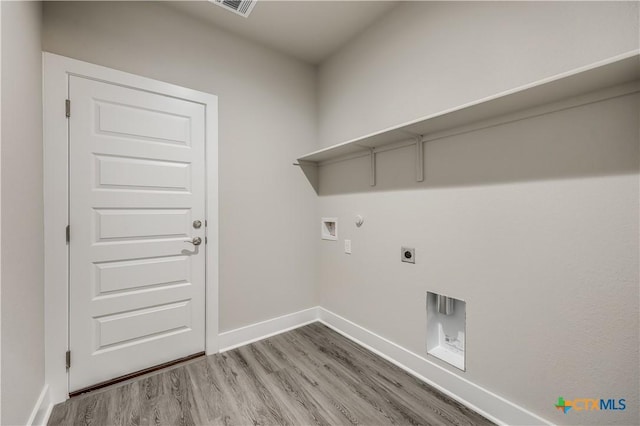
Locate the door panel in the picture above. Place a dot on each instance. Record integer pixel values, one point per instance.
(122, 276)
(125, 224)
(129, 173)
(140, 324)
(136, 184)
(134, 122)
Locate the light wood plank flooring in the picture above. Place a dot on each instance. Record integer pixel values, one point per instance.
(311, 375)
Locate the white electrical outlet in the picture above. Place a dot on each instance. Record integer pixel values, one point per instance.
(347, 246)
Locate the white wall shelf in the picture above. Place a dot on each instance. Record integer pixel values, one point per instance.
(602, 75)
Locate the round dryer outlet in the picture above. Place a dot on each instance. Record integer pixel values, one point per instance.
(408, 255)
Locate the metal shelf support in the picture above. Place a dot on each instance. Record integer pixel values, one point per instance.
(419, 160)
(372, 154)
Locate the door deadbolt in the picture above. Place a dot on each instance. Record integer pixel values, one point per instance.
(197, 224)
(196, 241)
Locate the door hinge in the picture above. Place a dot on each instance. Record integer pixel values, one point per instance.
(68, 233)
(67, 358)
(67, 108)
(205, 240)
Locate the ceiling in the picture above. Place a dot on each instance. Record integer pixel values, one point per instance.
(308, 30)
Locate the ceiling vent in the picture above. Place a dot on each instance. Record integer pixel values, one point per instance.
(240, 7)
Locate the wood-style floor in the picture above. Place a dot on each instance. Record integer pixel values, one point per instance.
(311, 375)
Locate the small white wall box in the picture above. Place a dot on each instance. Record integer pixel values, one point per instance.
(329, 228)
(446, 328)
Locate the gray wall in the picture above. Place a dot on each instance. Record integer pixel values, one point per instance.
(267, 117)
(425, 57)
(22, 211)
(533, 223)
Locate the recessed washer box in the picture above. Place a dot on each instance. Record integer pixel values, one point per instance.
(446, 329)
(329, 228)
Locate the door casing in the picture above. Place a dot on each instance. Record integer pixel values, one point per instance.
(56, 70)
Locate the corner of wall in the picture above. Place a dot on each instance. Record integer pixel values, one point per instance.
(22, 279)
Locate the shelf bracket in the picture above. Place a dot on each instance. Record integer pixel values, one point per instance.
(372, 154)
(419, 160)
(310, 170)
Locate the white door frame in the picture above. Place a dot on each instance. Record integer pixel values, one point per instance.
(56, 70)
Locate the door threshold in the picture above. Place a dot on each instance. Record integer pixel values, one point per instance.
(135, 374)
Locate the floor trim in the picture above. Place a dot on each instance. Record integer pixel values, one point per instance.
(42, 409)
(481, 400)
(135, 374)
(261, 330)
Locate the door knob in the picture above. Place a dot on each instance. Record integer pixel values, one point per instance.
(196, 241)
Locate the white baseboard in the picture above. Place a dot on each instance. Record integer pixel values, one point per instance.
(481, 400)
(42, 410)
(261, 330)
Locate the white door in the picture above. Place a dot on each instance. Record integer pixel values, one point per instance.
(137, 188)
